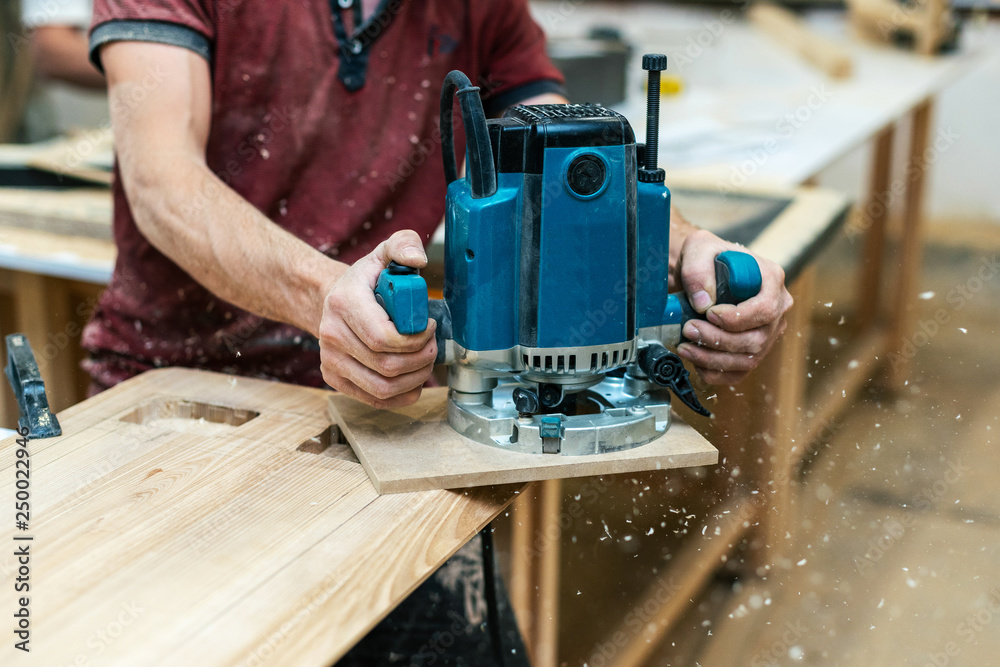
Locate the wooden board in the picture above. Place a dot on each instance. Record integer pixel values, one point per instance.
(188, 517)
(76, 212)
(86, 155)
(74, 257)
(414, 449)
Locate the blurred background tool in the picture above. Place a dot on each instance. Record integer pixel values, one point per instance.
(926, 26)
(595, 67)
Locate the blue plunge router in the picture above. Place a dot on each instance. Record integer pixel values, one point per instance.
(556, 317)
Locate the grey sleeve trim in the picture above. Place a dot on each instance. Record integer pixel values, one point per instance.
(160, 32)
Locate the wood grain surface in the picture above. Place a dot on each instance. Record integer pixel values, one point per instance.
(414, 449)
(176, 521)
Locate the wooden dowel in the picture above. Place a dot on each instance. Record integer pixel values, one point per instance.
(791, 31)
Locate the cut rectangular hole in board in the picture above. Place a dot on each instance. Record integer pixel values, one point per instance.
(193, 416)
(329, 442)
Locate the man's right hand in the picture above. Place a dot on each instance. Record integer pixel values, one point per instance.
(361, 352)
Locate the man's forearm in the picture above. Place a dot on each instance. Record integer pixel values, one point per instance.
(226, 244)
(185, 210)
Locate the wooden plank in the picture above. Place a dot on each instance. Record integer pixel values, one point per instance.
(792, 32)
(82, 212)
(228, 539)
(415, 449)
(86, 155)
(75, 257)
(302, 624)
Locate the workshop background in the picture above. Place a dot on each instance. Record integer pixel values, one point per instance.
(853, 517)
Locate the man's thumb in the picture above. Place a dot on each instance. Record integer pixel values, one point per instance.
(698, 278)
(404, 247)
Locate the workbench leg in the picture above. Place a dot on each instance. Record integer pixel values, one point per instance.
(523, 564)
(910, 255)
(42, 314)
(8, 406)
(786, 379)
(536, 549)
(870, 224)
(547, 618)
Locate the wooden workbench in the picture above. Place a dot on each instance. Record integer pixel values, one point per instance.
(194, 518)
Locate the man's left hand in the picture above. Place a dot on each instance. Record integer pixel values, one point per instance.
(734, 339)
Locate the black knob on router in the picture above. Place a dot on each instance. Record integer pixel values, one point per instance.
(660, 365)
(666, 369)
(525, 401)
(654, 63)
(396, 269)
(586, 175)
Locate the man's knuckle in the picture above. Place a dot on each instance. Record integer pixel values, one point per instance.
(334, 379)
(383, 389)
(389, 365)
(756, 341)
(328, 332)
(377, 339)
(335, 300)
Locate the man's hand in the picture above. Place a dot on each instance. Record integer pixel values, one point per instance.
(361, 352)
(735, 338)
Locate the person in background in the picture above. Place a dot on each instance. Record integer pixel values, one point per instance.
(68, 92)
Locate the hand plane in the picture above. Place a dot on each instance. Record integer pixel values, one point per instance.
(556, 319)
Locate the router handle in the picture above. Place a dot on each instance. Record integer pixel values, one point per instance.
(402, 292)
(737, 278)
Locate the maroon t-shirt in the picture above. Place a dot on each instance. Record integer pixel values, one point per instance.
(336, 143)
